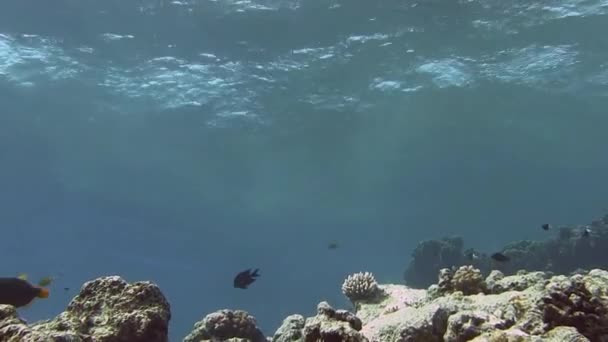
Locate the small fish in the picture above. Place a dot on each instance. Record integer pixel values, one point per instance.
(19, 292)
(66, 289)
(546, 226)
(471, 254)
(245, 278)
(500, 257)
(332, 245)
(586, 232)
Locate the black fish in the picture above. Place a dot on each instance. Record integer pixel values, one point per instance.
(500, 257)
(332, 245)
(19, 292)
(245, 278)
(546, 226)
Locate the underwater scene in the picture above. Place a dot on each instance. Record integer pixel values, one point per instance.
(304, 170)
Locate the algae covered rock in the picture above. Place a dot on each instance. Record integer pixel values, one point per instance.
(107, 309)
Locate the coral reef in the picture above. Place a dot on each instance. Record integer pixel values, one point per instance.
(226, 324)
(510, 304)
(569, 250)
(360, 287)
(522, 307)
(107, 309)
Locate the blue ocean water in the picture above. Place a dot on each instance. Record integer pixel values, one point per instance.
(184, 141)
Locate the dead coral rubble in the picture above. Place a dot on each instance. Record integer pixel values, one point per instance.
(107, 309)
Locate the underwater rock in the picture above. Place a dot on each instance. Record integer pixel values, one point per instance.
(432, 255)
(225, 325)
(569, 250)
(107, 309)
(328, 325)
(290, 330)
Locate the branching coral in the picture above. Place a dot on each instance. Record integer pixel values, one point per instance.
(361, 286)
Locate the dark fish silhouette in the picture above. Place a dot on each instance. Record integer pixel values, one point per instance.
(19, 292)
(546, 226)
(332, 245)
(245, 278)
(500, 257)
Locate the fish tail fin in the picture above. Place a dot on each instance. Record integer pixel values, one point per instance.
(255, 273)
(44, 293)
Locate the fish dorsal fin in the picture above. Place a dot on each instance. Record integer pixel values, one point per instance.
(22, 276)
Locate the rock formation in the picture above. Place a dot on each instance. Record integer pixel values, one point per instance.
(107, 309)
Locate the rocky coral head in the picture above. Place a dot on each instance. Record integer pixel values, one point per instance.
(226, 324)
(139, 309)
(361, 286)
(468, 280)
(331, 325)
